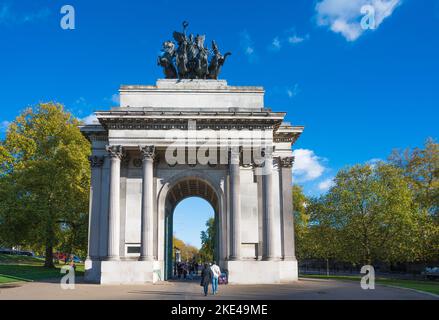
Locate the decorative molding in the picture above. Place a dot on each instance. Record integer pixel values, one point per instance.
(96, 161)
(115, 151)
(171, 120)
(137, 163)
(289, 137)
(135, 125)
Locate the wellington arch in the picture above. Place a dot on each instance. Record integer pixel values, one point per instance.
(191, 135)
(135, 188)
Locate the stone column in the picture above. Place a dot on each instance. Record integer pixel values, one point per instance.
(271, 229)
(235, 205)
(147, 235)
(114, 203)
(268, 221)
(96, 163)
(287, 218)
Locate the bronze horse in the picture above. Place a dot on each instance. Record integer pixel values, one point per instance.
(217, 62)
(166, 60)
(202, 66)
(181, 57)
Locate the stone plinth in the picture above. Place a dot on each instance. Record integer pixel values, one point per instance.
(262, 272)
(192, 95)
(127, 272)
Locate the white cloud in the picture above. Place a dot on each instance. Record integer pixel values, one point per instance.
(344, 16)
(90, 119)
(326, 184)
(293, 91)
(307, 165)
(4, 125)
(276, 45)
(8, 16)
(290, 37)
(295, 39)
(248, 46)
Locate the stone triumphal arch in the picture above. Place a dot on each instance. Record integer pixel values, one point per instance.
(149, 153)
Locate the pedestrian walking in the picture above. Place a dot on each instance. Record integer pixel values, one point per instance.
(206, 278)
(216, 273)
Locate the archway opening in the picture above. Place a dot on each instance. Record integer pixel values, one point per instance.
(191, 232)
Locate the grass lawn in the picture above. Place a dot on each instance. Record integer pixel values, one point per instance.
(21, 268)
(421, 285)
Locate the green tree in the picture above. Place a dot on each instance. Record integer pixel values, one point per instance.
(324, 232)
(301, 223)
(371, 208)
(207, 251)
(421, 167)
(188, 252)
(44, 180)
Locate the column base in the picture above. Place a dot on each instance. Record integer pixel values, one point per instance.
(271, 259)
(92, 269)
(146, 259)
(292, 258)
(123, 272)
(111, 258)
(234, 259)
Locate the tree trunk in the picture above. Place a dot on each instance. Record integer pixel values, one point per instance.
(48, 263)
(327, 267)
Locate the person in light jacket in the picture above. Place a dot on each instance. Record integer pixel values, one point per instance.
(216, 272)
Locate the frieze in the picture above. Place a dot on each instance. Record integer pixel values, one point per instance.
(240, 127)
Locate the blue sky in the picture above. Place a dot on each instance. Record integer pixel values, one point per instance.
(359, 93)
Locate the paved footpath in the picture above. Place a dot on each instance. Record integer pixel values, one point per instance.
(305, 289)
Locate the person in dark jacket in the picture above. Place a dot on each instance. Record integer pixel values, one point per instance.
(206, 278)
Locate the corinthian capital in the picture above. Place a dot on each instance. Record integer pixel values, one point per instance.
(148, 152)
(115, 151)
(287, 162)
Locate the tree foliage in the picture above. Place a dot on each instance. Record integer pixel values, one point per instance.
(44, 181)
(385, 212)
(207, 251)
(188, 252)
(372, 206)
(421, 167)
